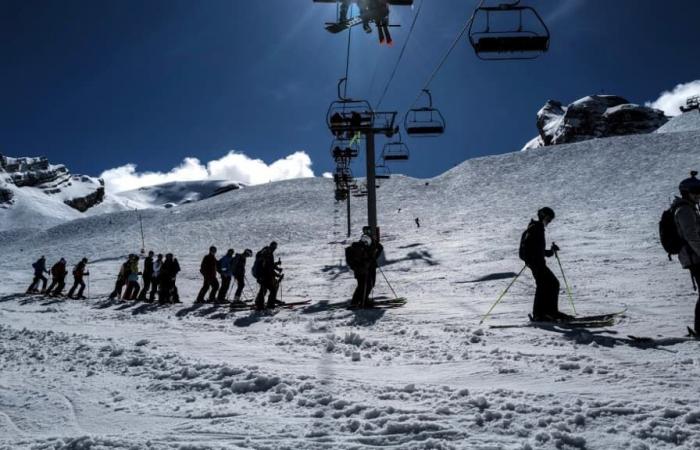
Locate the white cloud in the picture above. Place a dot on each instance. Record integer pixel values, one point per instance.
(670, 101)
(233, 166)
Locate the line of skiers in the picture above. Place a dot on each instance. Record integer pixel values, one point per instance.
(58, 278)
(266, 271)
(679, 230)
(159, 276)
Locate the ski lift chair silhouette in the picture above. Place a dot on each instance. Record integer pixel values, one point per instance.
(344, 149)
(518, 42)
(426, 121)
(382, 172)
(343, 176)
(395, 151)
(346, 116)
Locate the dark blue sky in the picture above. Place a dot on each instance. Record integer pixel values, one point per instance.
(98, 84)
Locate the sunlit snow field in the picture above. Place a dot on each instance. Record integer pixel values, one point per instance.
(97, 374)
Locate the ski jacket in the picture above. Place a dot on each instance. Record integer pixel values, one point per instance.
(148, 267)
(79, 270)
(238, 265)
(225, 265)
(169, 269)
(687, 218)
(267, 263)
(58, 270)
(533, 246)
(362, 258)
(156, 268)
(39, 267)
(208, 267)
(133, 271)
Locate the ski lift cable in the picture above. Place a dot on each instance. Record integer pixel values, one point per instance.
(347, 65)
(448, 53)
(403, 50)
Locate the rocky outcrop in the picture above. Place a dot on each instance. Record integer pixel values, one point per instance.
(82, 204)
(595, 116)
(78, 192)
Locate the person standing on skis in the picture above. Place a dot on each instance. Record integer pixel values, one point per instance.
(687, 219)
(225, 268)
(238, 267)
(79, 271)
(39, 271)
(147, 276)
(208, 271)
(533, 252)
(361, 257)
(58, 278)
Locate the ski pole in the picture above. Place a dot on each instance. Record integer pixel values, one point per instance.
(568, 289)
(500, 297)
(387, 282)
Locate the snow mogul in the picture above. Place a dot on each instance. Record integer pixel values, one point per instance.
(533, 250)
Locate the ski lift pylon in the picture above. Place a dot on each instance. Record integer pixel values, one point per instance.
(426, 121)
(508, 44)
(347, 116)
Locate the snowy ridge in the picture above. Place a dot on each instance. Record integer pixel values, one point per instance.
(689, 121)
(418, 377)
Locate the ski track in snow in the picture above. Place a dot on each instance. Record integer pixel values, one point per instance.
(98, 374)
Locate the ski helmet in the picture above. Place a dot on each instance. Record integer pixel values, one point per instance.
(248, 252)
(690, 185)
(366, 239)
(545, 212)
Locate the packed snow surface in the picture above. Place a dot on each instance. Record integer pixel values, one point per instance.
(97, 374)
(689, 121)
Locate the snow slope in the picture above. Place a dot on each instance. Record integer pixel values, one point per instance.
(97, 374)
(689, 121)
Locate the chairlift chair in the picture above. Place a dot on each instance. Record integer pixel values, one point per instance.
(508, 44)
(425, 121)
(382, 172)
(691, 103)
(395, 151)
(346, 116)
(344, 149)
(342, 175)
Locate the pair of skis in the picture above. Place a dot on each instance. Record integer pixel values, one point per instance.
(646, 340)
(593, 321)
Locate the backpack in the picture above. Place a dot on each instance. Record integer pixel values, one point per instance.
(671, 241)
(525, 252)
(354, 255)
(258, 265)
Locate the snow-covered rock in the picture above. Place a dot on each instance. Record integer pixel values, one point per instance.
(595, 116)
(177, 193)
(77, 191)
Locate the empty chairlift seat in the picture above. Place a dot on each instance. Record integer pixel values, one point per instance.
(510, 31)
(382, 172)
(395, 151)
(425, 121)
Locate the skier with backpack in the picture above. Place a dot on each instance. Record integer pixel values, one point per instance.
(121, 280)
(79, 271)
(39, 270)
(268, 274)
(533, 250)
(147, 276)
(225, 268)
(208, 271)
(361, 257)
(680, 233)
(238, 267)
(58, 278)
